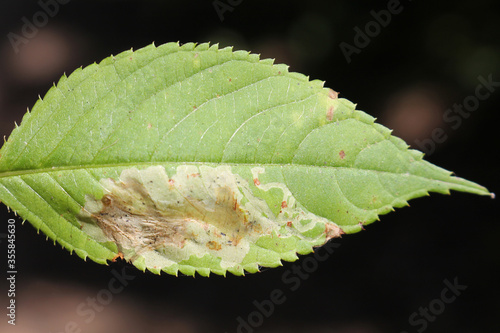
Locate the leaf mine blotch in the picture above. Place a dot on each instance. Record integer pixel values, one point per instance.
(146, 210)
(168, 217)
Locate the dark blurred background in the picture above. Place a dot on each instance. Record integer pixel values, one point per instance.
(428, 58)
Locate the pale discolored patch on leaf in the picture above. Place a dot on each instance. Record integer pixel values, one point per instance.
(196, 211)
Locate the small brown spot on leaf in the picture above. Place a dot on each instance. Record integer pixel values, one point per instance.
(333, 94)
(213, 245)
(332, 231)
(257, 228)
(289, 224)
(329, 113)
(284, 204)
(342, 154)
(256, 181)
(119, 255)
(360, 223)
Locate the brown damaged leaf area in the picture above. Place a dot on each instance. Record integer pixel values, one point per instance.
(141, 230)
(332, 231)
(134, 221)
(196, 211)
(332, 94)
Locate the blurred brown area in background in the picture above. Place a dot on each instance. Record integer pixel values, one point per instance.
(414, 112)
(427, 58)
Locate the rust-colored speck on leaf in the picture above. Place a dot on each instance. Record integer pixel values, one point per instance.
(256, 181)
(284, 204)
(329, 113)
(213, 245)
(119, 255)
(333, 94)
(341, 154)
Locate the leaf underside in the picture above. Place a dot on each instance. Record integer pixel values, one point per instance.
(198, 159)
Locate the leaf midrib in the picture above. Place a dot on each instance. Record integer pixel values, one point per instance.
(135, 164)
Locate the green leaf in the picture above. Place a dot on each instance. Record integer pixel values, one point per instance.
(198, 159)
